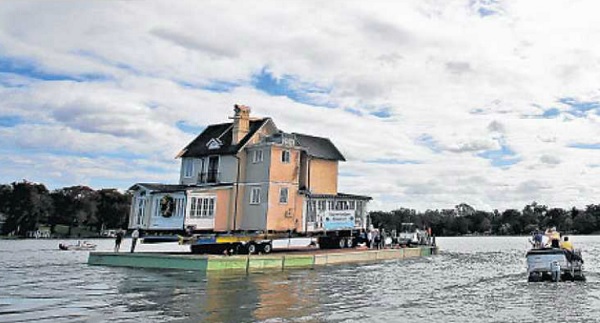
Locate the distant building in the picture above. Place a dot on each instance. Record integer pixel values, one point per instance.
(247, 175)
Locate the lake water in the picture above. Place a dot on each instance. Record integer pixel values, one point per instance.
(473, 279)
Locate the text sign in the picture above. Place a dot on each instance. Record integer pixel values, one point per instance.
(338, 220)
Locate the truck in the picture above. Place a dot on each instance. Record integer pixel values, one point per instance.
(246, 187)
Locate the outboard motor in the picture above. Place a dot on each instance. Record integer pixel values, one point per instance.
(555, 268)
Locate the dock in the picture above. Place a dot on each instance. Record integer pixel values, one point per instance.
(254, 263)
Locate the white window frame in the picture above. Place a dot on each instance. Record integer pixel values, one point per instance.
(202, 207)
(257, 156)
(255, 195)
(284, 153)
(188, 167)
(284, 198)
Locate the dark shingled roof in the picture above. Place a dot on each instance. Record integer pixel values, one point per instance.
(340, 196)
(160, 187)
(173, 187)
(319, 147)
(223, 132)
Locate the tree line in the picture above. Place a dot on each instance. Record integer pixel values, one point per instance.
(27, 206)
(464, 220)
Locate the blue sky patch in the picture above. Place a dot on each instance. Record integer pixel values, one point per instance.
(383, 113)
(503, 157)
(390, 161)
(551, 113)
(188, 128)
(10, 121)
(29, 69)
(428, 141)
(291, 87)
(220, 86)
(585, 146)
(580, 108)
(354, 111)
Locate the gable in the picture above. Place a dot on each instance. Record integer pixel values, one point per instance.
(206, 143)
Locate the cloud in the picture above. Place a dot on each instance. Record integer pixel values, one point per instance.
(433, 103)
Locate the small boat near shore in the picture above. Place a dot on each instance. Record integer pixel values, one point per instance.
(79, 246)
(554, 264)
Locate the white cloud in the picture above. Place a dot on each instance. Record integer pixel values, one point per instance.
(457, 78)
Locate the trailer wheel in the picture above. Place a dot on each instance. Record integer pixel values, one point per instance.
(349, 243)
(342, 243)
(252, 249)
(267, 247)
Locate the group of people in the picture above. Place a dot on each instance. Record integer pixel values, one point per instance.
(135, 235)
(373, 238)
(551, 238)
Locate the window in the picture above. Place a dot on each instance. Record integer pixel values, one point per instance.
(283, 195)
(255, 195)
(285, 156)
(352, 205)
(322, 205)
(257, 157)
(188, 167)
(202, 207)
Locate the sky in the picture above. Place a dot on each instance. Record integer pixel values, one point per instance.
(433, 102)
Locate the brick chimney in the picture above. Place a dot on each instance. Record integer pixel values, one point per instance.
(241, 123)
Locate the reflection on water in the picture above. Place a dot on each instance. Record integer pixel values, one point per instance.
(479, 279)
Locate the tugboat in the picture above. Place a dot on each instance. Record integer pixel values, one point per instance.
(553, 263)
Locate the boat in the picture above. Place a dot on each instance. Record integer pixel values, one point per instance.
(554, 264)
(79, 246)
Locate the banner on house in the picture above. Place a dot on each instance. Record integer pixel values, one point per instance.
(338, 220)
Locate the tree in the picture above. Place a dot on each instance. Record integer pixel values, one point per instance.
(113, 209)
(28, 206)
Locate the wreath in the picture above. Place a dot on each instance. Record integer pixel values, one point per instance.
(167, 205)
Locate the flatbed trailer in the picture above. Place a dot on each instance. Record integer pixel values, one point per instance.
(255, 242)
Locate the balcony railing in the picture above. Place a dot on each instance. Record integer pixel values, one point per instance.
(209, 177)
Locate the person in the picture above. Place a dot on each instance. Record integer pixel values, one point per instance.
(566, 244)
(567, 247)
(369, 239)
(377, 239)
(118, 239)
(537, 239)
(554, 237)
(134, 237)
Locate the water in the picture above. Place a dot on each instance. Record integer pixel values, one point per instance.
(474, 279)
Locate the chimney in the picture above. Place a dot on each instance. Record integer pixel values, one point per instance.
(241, 123)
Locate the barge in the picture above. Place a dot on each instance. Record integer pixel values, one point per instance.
(255, 263)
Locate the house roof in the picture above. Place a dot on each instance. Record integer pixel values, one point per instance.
(319, 147)
(157, 187)
(340, 196)
(223, 133)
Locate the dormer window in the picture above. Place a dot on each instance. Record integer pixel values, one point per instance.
(214, 144)
(285, 156)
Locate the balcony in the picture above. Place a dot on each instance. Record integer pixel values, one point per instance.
(209, 178)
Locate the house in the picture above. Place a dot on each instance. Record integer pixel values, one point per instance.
(248, 175)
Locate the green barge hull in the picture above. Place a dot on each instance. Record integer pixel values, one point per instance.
(253, 263)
